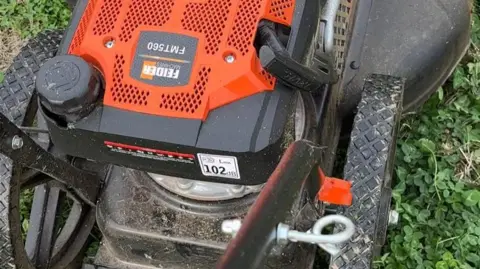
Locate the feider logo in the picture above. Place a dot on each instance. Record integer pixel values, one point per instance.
(153, 69)
(164, 59)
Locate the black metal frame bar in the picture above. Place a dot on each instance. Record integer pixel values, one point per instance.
(46, 249)
(30, 154)
(257, 234)
(41, 228)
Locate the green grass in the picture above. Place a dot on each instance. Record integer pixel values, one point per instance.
(438, 158)
(29, 17)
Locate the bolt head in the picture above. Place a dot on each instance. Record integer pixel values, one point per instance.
(230, 58)
(110, 44)
(238, 189)
(185, 184)
(17, 142)
(282, 233)
(355, 65)
(231, 226)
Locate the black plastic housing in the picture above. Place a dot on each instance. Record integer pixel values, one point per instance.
(68, 87)
(256, 130)
(422, 41)
(257, 138)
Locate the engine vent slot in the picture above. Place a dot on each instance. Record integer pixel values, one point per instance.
(187, 102)
(107, 18)
(124, 93)
(147, 13)
(209, 19)
(341, 29)
(82, 27)
(245, 22)
(279, 8)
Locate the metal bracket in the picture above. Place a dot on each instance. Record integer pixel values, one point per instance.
(327, 20)
(23, 150)
(314, 236)
(324, 58)
(257, 234)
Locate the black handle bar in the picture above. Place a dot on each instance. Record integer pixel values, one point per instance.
(257, 234)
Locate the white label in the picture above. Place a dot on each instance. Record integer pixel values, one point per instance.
(152, 70)
(218, 166)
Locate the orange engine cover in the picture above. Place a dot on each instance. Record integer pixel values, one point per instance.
(144, 82)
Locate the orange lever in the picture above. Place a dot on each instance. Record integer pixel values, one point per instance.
(334, 190)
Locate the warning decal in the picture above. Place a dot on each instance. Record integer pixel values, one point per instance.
(155, 154)
(219, 166)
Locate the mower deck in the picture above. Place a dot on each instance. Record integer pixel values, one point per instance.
(145, 225)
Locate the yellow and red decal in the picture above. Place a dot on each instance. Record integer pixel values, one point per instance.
(149, 153)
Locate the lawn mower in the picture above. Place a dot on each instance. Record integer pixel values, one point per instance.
(204, 133)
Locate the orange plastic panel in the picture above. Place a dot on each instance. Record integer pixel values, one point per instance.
(223, 28)
(334, 190)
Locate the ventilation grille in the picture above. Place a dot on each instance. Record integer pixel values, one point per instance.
(268, 77)
(278, 8)
(107, 17)
(82, 27)
(124, 93)
(208, 18)
(221, 27)
(187, 102)
(341, 28)
(148, 13)
(245, 22)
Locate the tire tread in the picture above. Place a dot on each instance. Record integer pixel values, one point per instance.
(368, 166)
(15, 93)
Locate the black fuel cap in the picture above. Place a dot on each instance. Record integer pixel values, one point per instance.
(68, 86)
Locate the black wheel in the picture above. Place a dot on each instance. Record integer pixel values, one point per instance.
(369, 166)
(52, 241)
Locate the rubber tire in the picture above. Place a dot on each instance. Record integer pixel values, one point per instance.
(15, 94)
(369, 166)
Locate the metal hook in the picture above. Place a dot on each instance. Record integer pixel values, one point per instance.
(314, 236)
